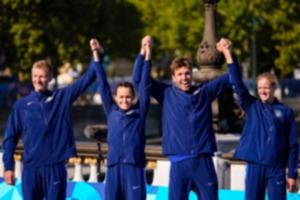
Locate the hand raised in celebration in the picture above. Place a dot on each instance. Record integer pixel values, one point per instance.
(224, 45)
(96, 49)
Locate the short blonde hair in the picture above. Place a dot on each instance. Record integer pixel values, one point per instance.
(271, 77)
(43, 64)
(180, 62)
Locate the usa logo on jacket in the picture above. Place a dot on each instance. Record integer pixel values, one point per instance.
(278, 113)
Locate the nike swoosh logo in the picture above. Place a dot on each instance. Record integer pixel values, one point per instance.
(136, 187)
(56, 182)
(29, 103)
(129, 112)
(210, 183)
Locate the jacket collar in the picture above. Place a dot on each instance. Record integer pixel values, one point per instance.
(45, 93)
(275, 102)
(192, 89)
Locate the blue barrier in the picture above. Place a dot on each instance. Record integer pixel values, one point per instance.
(95, 191)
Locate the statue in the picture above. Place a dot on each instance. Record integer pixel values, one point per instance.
(227, 115)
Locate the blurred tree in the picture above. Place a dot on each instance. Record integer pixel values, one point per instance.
(277, 30)
(177, 29)
(60, 30)
(178, 25)
(285, 23)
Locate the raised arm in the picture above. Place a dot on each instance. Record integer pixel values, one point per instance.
(235, 78)
(145, 83)
(139, 61)
(104, 87)
(73, 91)
(12, 135)
(157, 88)
(137, 70)
(217, 86)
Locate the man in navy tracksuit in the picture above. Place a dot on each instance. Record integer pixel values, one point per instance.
(126, 134)
(43, 121)
(188, 136)
(269, 141)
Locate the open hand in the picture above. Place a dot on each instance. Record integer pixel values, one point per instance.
(9, 177)
(292, 185)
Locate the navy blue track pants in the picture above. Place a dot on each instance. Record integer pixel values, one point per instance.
(260, 177)
(196, 174)
(125, 182)
(49, 182)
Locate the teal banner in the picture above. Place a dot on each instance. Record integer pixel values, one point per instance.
(95, 191)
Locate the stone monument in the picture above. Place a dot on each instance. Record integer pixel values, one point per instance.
(227, 115)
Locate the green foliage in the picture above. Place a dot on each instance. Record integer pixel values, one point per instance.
(60, 30)
(277, 30)
(178, 25)
(175, 25)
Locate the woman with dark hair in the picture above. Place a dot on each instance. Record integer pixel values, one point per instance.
(126, 134)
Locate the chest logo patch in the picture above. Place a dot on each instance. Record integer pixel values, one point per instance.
(49, 99)
(278, 113)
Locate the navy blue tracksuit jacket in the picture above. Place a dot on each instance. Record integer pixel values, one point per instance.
(126, 129)
(43, 121)
(187, 118)
(269, 136)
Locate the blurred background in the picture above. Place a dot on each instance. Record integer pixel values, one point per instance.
(265, 34)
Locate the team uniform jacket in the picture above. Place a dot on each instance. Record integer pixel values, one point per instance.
(269, 136)
(187, 117)
(43, 121)
(126, 129)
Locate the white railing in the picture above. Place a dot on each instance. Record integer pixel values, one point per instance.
(231, 173)
(85, 169)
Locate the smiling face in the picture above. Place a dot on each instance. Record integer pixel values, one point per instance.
(124, 97)
(181, 70)
(265, 90)
(182, 77)
(41, 76)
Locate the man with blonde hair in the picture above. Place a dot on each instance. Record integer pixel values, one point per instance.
(43, 121)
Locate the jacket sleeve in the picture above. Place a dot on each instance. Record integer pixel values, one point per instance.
(12, 135)
(104, 88)
(217, 86)
(158, 90)
(137, 70)
(293, 148)
(144, 88)
(73, 91)
(238, 86)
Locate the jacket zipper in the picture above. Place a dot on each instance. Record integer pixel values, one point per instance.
(45, 121)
